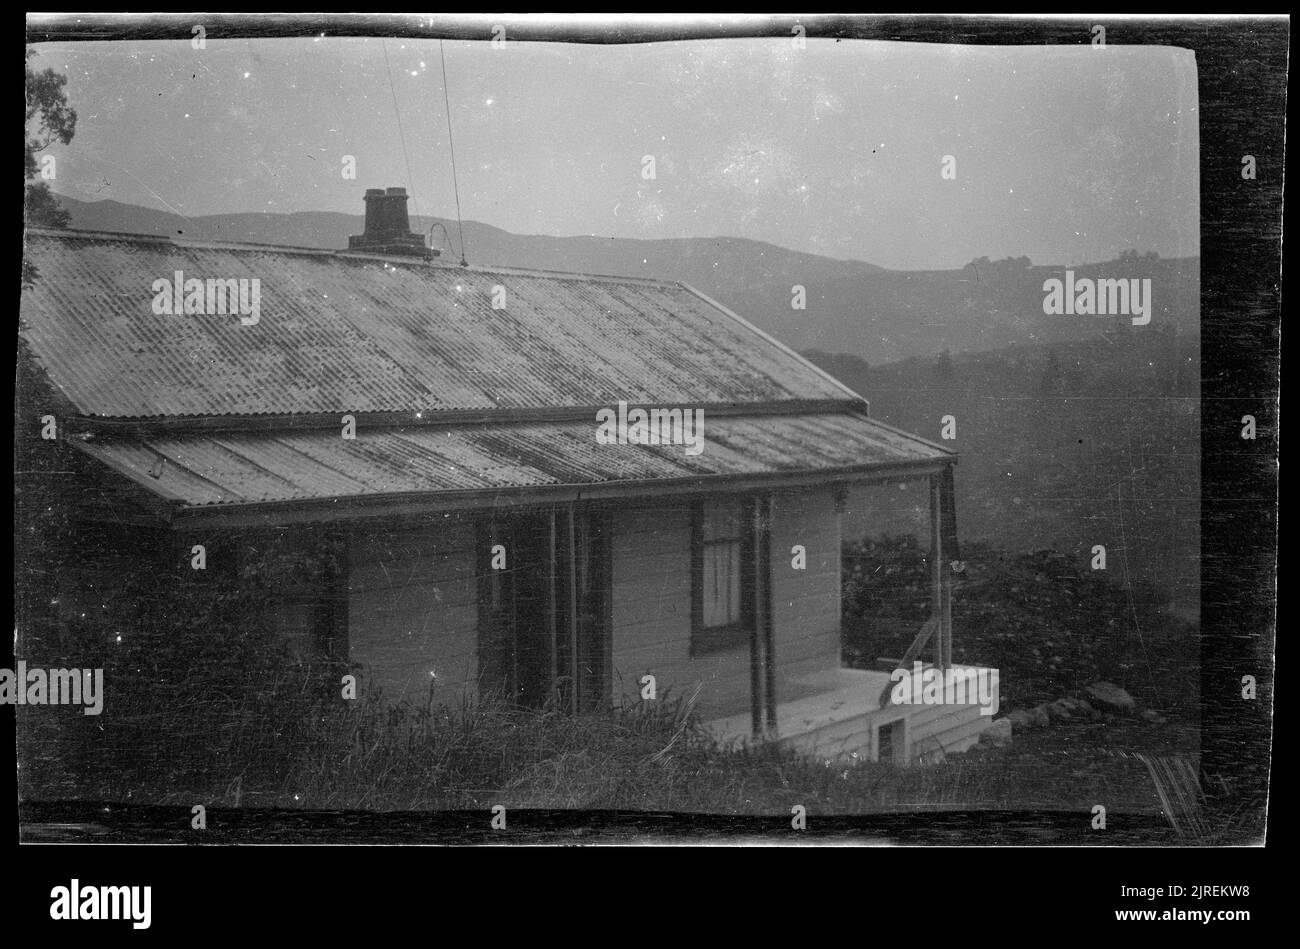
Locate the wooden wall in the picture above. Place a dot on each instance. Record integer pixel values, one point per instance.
(805, 603)
(413, 608)
(651, 615)
(651, 611)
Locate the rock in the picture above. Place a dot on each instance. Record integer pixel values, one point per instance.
(1041, 718)
(1152, 716)
(1111, 697)
(1020, 720)
(998, 734)
(1059, 710)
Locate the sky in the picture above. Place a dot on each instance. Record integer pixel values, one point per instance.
(1062, 154)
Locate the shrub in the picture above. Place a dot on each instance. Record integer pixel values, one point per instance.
(1050, 625)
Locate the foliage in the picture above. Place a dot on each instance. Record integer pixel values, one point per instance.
(196, 675)
(1110, 456)
(49, 119)
(197, 679)
(991, 268)
(1050, 625)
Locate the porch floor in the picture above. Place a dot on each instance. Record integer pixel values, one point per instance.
(837, 712)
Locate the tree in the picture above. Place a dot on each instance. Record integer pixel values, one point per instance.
(49, 119)
(943, 368)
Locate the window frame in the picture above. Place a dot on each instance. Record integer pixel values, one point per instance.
(709, 640)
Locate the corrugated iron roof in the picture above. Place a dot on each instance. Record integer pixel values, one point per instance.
(222, 469)
(350, 333)
(455, 395)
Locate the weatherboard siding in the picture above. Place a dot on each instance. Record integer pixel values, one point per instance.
(651, 615)
(413, 606)
(413, 610)
(651, 610)
(805, 603)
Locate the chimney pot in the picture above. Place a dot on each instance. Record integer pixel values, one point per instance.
(388, 226)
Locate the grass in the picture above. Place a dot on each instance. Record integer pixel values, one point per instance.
(646, 757)
(650, 756)
(654, 757)
(187, 726)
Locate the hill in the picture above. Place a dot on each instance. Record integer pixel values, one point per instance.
(1062, 447)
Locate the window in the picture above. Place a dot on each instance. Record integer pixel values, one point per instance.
(891, 742)
(295, 617)
(722, 581)
(310, 607)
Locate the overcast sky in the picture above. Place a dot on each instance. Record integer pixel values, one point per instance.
(1062, 154)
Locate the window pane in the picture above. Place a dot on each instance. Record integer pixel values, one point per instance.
(710, 586)
(721, 584)
(295, 619)
(733, 582)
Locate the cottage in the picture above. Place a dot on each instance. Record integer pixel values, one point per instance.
(447, 434)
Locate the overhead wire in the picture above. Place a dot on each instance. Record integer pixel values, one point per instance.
(455, 186)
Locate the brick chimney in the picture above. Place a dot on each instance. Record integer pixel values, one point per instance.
(388, 228)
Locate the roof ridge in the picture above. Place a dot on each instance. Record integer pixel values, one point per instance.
(72, 233)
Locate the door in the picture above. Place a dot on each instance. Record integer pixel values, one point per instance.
(515, 611)
(584, 638)
(544, 607)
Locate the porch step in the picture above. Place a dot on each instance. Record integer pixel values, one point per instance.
(958, 736)
(842, 718)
